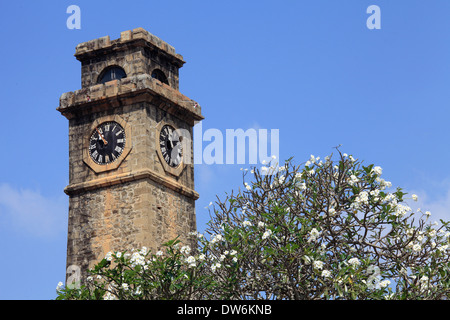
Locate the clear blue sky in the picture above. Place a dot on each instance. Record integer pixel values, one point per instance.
(311, 69)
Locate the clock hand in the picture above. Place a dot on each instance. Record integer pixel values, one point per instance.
(101, 136)
(170, 140)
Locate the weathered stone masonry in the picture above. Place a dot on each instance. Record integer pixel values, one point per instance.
(137, 202)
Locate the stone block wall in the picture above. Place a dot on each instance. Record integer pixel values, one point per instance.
(124, 217)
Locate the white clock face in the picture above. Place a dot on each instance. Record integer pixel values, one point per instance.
(170, 145)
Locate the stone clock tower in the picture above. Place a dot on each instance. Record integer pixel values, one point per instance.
(131, 172)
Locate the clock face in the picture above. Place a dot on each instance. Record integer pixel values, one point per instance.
(170, 145)
(106, 143)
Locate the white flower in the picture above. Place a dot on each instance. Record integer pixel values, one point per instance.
(410, 232)
(416, 247)
(125, 286)
(428, 213)
(215, 266)
(247, 186)
(354, 262)
(267, 234)
(234, 259)
(137, 259)
(261, 224)
(362, 198)
(432, 233)
(326, 273)
(391, 199)
(318, 264)
(442, 248)
(302, 186)
(401, 210)
(216, 238)
(118, 254)
(414, 197)
(108, 256)
(109, 296)
(59, 286)
(384, 184)
(159, 253)
(377, 170)
(233, 252)
(185, 249)
(424, 279)
(384, 283)
(247, 223)
(201, 257)
(353, 180)
(191, 261)
(313, 235)
(222, 257)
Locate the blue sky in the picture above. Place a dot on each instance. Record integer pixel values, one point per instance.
(311, 69)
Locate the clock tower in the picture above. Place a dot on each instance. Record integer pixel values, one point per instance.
(131, 172)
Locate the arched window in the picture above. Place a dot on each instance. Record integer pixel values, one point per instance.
(111, 73)
(158, 74)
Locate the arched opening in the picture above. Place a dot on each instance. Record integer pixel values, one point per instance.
(159, 75)
(111, 73)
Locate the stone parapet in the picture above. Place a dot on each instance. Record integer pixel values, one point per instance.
(84, 49)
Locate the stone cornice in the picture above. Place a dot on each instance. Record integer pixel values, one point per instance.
(77, 188)
(117, 93)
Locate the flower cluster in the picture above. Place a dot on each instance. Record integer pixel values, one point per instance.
(322, 230)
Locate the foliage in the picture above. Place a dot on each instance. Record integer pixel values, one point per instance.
(321, 230)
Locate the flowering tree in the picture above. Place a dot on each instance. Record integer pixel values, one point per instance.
(322, 230)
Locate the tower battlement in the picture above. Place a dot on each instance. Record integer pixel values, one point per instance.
(137, 52)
